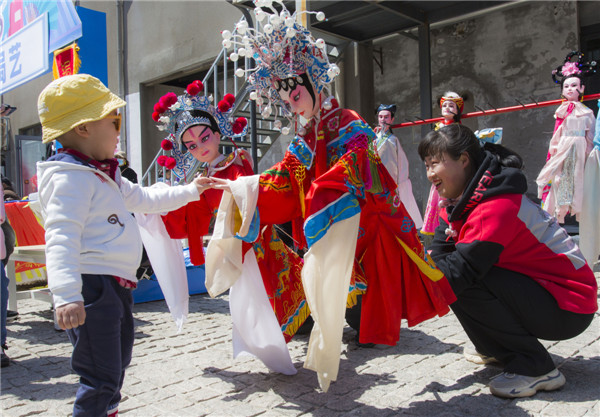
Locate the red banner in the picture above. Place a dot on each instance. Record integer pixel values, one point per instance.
(66, 61)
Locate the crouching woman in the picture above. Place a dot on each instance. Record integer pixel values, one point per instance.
(517, 275)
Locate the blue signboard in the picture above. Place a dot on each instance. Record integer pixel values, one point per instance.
(63, 22)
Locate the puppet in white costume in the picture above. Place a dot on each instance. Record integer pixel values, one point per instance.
(393, 157)
(560, 182)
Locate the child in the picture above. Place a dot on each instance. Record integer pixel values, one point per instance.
(517, 275)
(93, 246)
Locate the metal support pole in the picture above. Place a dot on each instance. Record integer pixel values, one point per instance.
(425, 74)
(253, 135)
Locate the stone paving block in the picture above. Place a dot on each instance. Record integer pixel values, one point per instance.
(29, 409)
(594, 411)
(370, 411)
(132, 389)
(203, 394)
(561, 408)
(224, 408)
(282, 412)
(175, 403)
(11, 399)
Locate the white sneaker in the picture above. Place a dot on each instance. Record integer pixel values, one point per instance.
(509, 385)
(472, 355)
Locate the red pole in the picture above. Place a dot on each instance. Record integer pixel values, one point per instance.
(495, 111)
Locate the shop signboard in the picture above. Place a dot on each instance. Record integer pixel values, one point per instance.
(24, 55)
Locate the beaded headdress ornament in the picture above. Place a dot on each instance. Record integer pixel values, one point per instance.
(282, 48)
(175, 114)
(573, 68)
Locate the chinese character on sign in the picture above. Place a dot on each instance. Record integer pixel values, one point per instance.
(15, 52)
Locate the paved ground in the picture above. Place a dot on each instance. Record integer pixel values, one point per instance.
(193, 373)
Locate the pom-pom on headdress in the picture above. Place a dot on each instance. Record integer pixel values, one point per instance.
(282, 48)
(175, 114)
(576, 68)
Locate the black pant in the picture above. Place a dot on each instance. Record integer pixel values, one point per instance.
(505, 314)
(102, 346)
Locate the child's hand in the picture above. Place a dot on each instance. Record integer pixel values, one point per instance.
(202, 183)
(70, 315)
(220, 184)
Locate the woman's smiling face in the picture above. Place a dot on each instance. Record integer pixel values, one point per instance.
(202, 142)
(448, 176)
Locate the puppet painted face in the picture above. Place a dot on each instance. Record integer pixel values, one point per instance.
(385, 119)
(449, 109)
(572, 89)
(299, 94)
(202, 143)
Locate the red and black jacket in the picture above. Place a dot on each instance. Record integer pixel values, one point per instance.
(495, 224)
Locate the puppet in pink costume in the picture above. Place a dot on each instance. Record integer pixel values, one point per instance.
(452, 106)
(560, 182)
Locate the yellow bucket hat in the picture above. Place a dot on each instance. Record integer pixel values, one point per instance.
(72, 100)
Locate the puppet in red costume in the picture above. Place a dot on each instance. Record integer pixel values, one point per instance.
(197, 126)
(451, 105)
(332, 185)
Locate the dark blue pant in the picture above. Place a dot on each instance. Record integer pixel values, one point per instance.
(505, 313)
(4, 302)
(102, 346)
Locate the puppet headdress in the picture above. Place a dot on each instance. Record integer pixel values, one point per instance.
(175, 114)
(282, 48)
(571, 68)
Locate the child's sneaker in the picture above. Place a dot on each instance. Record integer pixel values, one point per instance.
(472, 355)
(509, 385)
(5, 360)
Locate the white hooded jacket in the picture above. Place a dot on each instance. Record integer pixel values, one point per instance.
(89, 226)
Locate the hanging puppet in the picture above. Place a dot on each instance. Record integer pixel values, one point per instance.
(451, 106)
(333, 187)
(394, 159)
(560, 182)
(273, 283)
